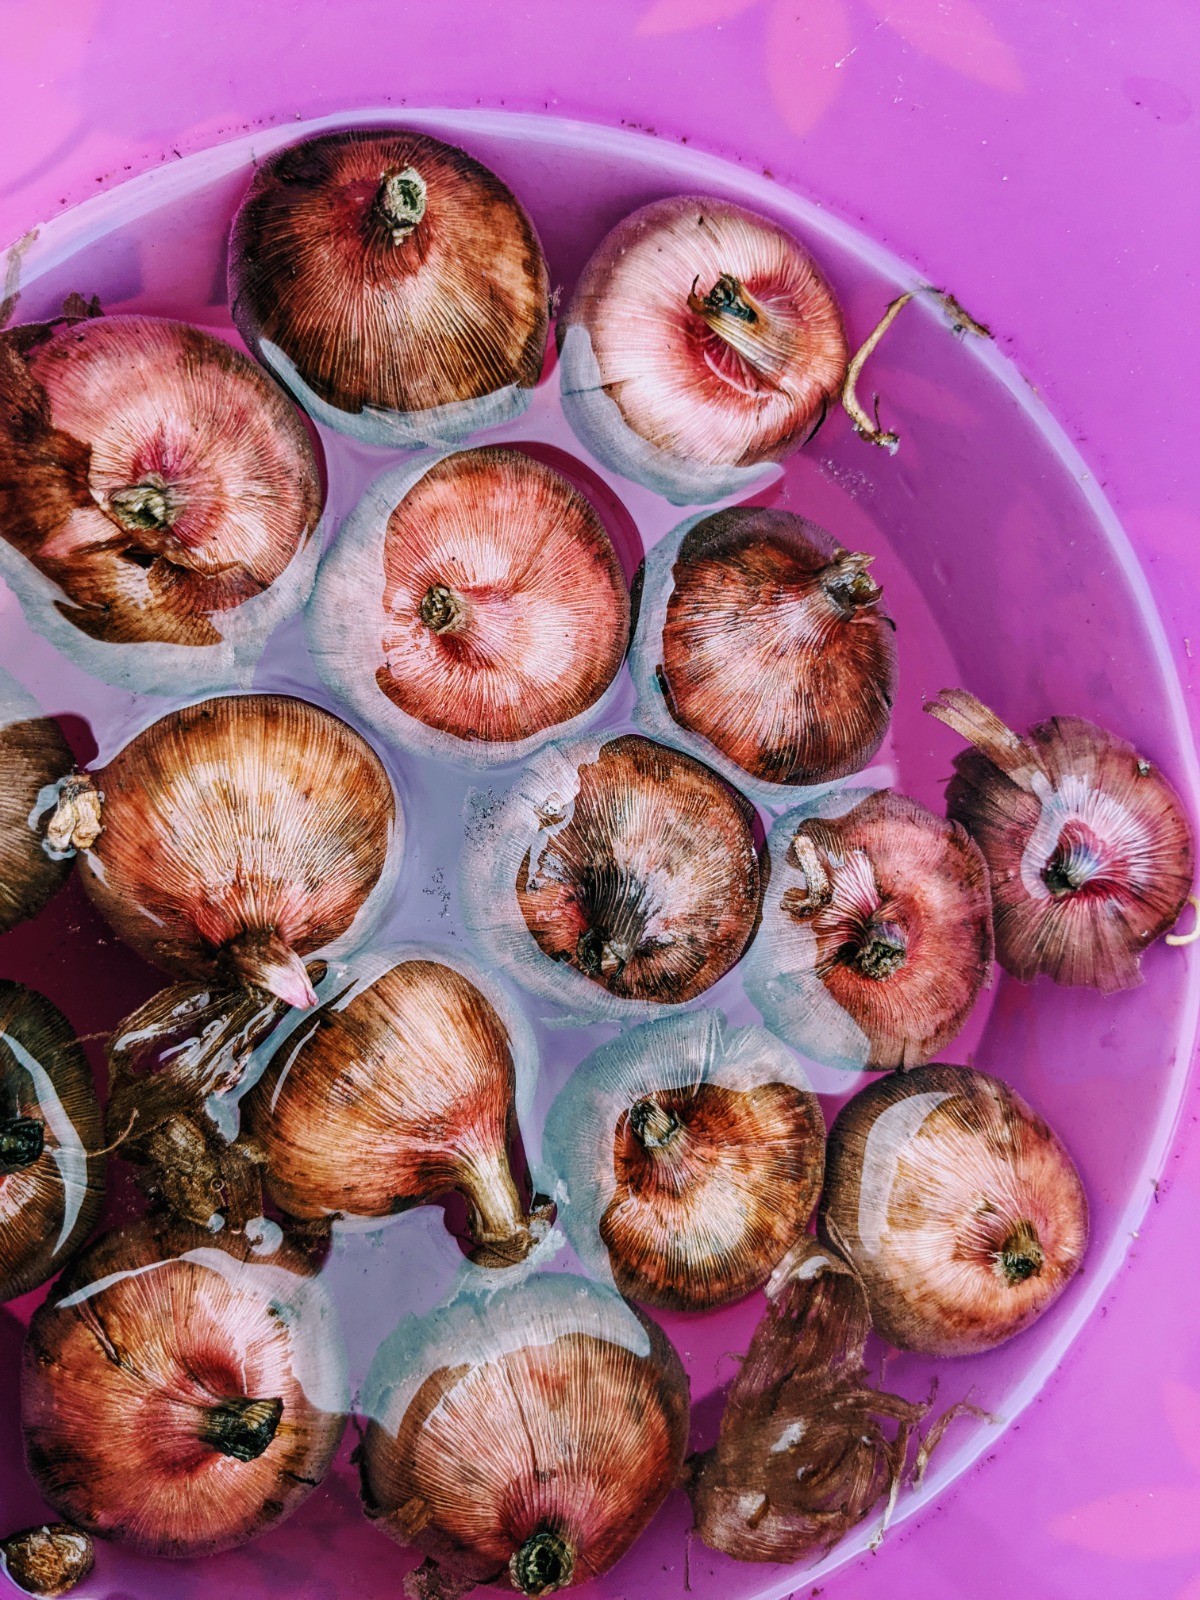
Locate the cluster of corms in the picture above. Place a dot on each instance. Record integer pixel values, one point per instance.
(184, 1388)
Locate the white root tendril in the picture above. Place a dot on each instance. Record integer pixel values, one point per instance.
(116, 1143)
(75, 823)
(865, 426)
(877, 1537)
(1180, 939)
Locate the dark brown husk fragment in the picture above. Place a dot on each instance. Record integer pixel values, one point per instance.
(808, 1446)
(49, 1560)
(185, 1045)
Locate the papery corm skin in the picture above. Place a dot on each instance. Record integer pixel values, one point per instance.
(239, 835)
(181, 1394)
(152, 472)
(1090, 851)
(384, 273)
(956, 1204)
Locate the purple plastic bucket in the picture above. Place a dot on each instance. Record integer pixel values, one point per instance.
(986, 510)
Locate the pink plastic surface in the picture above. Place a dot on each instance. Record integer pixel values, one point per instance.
(946, 132)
